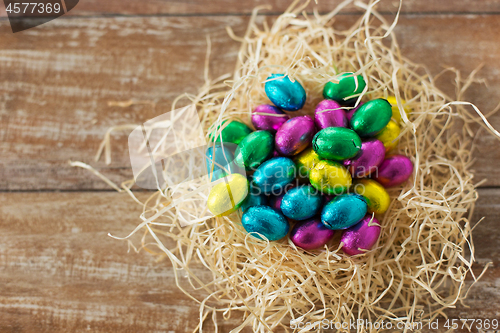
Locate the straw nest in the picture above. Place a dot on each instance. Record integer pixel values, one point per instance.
(419, 265)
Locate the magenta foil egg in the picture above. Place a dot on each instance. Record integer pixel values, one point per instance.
(361, 237)
(369, 158)
(275, 200)
(268, 118)
(295, 135)
(394, 170)
(349, 113)
(311, 234)
(328, 113)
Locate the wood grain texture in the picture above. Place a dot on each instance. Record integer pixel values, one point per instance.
(57, 81)
(193, 7)
(60, 271)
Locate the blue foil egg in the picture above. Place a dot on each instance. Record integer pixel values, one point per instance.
(219, 161)
(301, 203)
(265, 221)
(274, 174)
(254, 198)
(284, 93)
(344, 211)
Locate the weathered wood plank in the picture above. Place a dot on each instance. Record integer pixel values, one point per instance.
(170, 7)
(57, 81)
(60, 271)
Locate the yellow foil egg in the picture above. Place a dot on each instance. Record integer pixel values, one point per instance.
(330, 177)
(376, 196)
(226, 197)
(305, 161)
(389, 135)
(395, 110)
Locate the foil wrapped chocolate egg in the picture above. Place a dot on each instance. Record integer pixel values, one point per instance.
(273, 175)
(284, 93)
(396, 114)
(301, 203)
(219, 159)
(376, 196)
(330, 177)
(255, 197)
(268, 118)
(305, 161)
(227, 196)
(389, 135)
(350, 112)
(311, 234)
(329, 113)
(371, 117)
(275, 200)
(394, 170)
(265, 221)
(361, 237)
(233, 131)
(369, 158)
(294, 135)
(254, 149)
(344, 87)
(336, 143)
(344, 211)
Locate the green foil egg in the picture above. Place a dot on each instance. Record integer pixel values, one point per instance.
(254, 149)
(227, 196)
(336, 143)
(371, 117)
(344, 87)
(233, 132)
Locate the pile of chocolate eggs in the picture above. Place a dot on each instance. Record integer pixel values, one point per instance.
(323, 173)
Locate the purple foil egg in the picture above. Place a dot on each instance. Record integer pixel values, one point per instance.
(369, 158)
(276, 154)
(327, 198)
(361, 237)
(295, 135)
(350, 112)
(394, 170)
(275, 200)
(268, 118)
(311, 234)
(334, 117)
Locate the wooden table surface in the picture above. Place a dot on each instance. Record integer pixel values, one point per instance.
(59, 271)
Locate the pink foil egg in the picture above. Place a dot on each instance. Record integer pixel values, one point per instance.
(275, 200)
(349, 113)
(295, 135)
(394, 170)
(328, 113)
(268, 118)
(311, 234)
(361, 237)
(369, 158)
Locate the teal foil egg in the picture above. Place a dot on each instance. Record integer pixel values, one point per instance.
(273, 175)
(344, 211)
(301, 203)
(265, 221)
(219, 160)
(254, 198)
(284, 93)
